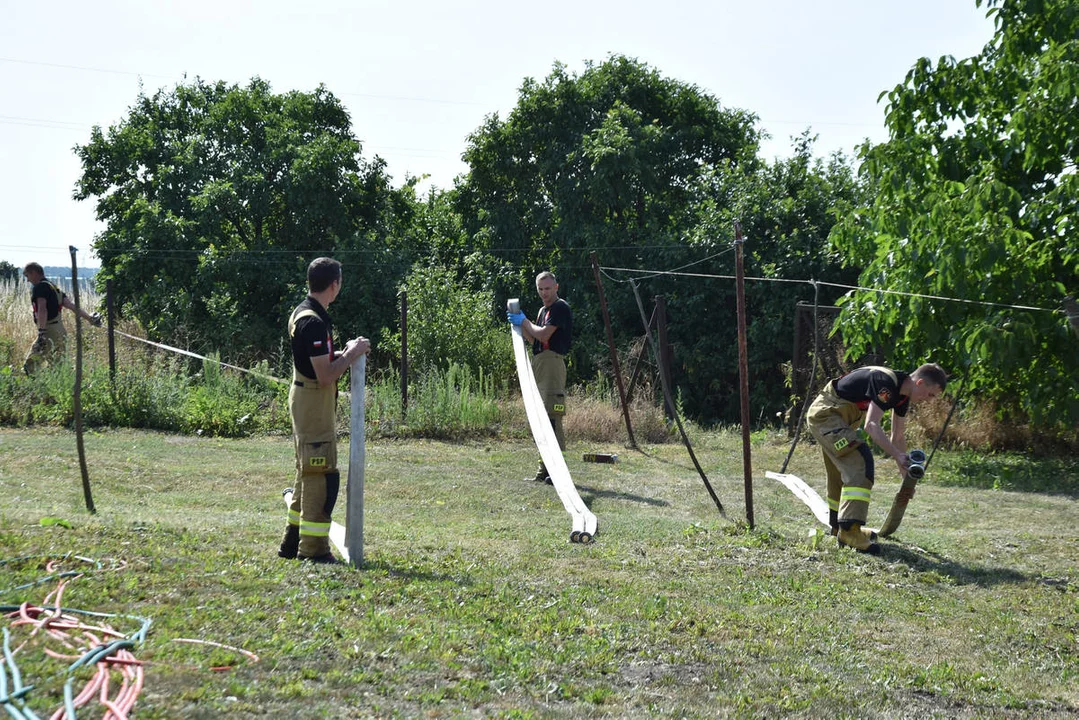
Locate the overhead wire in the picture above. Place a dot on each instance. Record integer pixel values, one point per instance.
(882, 291)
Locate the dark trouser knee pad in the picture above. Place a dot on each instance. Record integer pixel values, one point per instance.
(290, 543)
(333, 487)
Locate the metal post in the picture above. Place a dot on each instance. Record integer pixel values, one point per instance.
(670, 401)
(637, 365)
(614, 352)
(812, 374)
(404, 355)
(743, 371)
(356, 459)
(663, 355)
(77, 395)
(112, 334)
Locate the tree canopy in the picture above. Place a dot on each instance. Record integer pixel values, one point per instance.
(652, 172)
(215, 198)
(976, 196)
(604, 158)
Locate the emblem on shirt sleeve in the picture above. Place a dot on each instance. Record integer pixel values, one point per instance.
(884, 395)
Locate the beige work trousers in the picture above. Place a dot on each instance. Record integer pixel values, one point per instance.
(848, 462)
(550, 370)
(314, 426)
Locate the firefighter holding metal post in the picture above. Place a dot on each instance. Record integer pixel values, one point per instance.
(844, 418)
(47, 301)
(551, 336)
(312, 404)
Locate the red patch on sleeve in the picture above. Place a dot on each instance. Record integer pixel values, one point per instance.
(884, 395)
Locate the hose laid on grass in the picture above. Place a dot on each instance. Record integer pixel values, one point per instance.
(88, 644)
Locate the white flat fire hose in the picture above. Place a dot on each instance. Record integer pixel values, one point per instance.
(584, 522)
(803, 492)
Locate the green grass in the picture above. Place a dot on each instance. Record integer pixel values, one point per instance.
(473, 603)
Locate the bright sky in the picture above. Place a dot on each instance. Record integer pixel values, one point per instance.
(419, 77)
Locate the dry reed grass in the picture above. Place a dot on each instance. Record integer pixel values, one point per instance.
(590, 419)
(975, 426)
(595, 420)
(18, 333)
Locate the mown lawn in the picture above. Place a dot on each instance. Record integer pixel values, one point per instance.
(473, 602)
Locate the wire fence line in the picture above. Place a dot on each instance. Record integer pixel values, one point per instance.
(654, 273)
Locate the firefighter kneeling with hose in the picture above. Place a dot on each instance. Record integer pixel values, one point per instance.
(312, 403)
(844, 418)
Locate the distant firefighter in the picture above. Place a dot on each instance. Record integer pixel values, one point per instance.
(47, 301)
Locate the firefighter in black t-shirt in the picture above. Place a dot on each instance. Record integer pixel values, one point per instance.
(551, 335)
(47, 300)
(312, 404)
(844, 418)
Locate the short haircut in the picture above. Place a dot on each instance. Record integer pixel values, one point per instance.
(931, 372)
(34, 267)
(322, 272)
(545, 275)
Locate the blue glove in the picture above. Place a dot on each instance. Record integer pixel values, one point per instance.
(515, 318)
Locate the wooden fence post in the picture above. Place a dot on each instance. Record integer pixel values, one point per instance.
(77, 395)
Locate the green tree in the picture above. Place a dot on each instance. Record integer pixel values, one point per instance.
(9, 271)
(450, 323)
(215, 198)
(787, 209)
(603, 160)
(976, 197)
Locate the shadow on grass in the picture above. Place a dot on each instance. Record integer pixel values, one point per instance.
(413, 573)
(686, 463)
(1012, 471)
(924, 561)
(616, 495)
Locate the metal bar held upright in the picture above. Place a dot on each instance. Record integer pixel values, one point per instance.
(356, 460)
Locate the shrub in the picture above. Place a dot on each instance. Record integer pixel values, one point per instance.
(451, 403)
(448, 324)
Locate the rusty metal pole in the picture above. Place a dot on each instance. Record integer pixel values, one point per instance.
(743, 371)
(404, 355)
(637, 365)
(77, 395)
(614, 352)
(669, 400)
(664, 354)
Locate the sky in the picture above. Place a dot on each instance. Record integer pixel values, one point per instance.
(418, 77)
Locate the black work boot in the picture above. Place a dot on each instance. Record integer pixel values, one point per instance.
(324, 559)
(291, 543)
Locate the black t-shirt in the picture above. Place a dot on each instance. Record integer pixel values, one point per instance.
(53, 299)
(313, 337)
(874, 384)
(561, 317)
